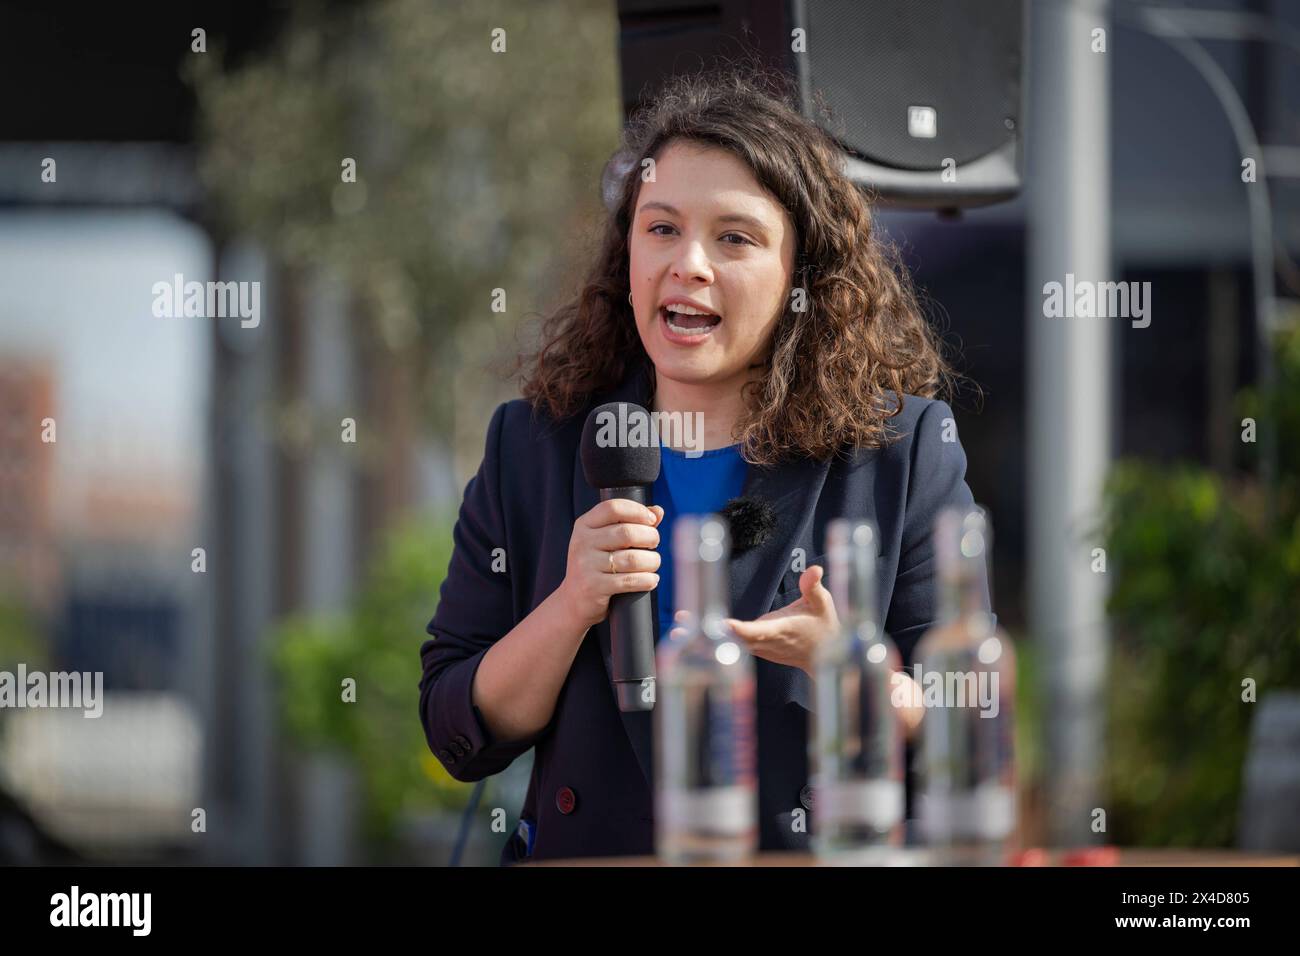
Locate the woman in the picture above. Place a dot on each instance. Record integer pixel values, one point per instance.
(738, 278)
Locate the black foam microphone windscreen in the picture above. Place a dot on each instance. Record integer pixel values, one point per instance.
(620, 458)
(614, 453)
(751, 520)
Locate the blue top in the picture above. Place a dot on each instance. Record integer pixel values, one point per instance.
(690, 485)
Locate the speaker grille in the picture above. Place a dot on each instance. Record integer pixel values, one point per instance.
(875, 61)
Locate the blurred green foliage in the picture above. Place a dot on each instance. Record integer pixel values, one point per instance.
(1205, 594)
(1029, 712)
(21, 639)
(475, 167)
(376, 643)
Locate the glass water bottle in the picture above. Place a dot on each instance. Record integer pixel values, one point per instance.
(856, 740)
(706, 758)
(965, 669)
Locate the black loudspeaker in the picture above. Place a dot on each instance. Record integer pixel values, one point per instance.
(925, 95)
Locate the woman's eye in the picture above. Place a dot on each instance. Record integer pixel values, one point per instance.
(730, 238)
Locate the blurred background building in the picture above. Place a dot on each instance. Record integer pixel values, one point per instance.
(234, 518)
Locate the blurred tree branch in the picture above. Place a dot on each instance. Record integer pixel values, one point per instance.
(473, 168)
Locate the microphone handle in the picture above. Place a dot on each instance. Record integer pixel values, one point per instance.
(631, 631)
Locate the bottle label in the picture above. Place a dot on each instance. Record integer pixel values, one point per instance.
(877, 803)
(986, 813)
(730, 743)
(720, 810)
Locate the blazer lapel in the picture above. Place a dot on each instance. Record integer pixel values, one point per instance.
(792, 489)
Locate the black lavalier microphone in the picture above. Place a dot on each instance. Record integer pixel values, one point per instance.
(620, 459)
(751, 521)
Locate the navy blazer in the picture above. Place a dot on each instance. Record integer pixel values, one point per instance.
(591, 788)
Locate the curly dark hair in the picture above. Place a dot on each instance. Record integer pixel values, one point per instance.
(829, 367)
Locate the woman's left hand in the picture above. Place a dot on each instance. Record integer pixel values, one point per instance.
(789, 635)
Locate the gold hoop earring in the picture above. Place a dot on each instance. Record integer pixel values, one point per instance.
(629, 298)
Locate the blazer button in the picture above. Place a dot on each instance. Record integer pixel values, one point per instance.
(566, 801)
(455, 748)
(446, 757)
(807, 797)
(464, 742)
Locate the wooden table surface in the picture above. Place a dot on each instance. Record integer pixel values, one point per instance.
(1129, 857)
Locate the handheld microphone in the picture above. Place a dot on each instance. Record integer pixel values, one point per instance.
(620, 458)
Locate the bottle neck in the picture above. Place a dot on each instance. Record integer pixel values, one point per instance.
(703, 588)
(962, 592)
(852, 573)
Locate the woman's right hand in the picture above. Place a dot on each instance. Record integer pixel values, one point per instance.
(619, 527)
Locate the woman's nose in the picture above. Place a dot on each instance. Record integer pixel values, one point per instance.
(692, 263)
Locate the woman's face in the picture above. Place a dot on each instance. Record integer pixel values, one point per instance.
(705, 232)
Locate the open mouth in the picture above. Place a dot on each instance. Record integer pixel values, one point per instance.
(687, 322)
